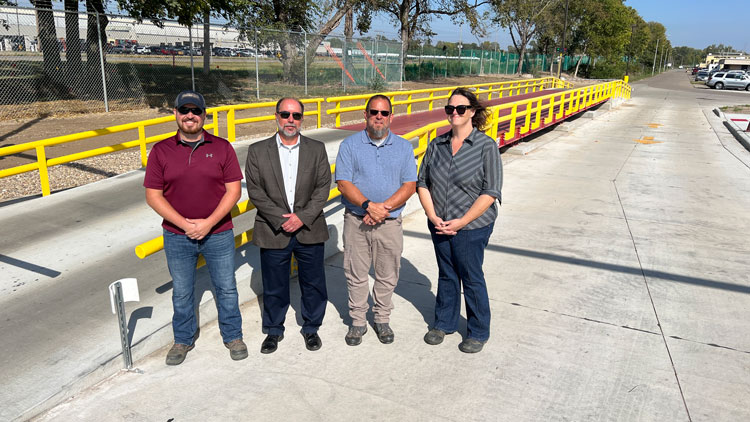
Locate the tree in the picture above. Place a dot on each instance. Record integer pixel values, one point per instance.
(72, 37)
(413, 16)
(47, 35)
(522, 18)
(285, 21)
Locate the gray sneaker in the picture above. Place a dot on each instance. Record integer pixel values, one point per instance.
(177, 353)
(384, 332)
(434, 336)
(237, 349)
(354, 336)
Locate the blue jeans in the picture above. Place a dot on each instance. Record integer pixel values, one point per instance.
(275, 267)
(182, 256)
(460, 260)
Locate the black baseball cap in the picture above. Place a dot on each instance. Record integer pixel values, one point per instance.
(190, 97)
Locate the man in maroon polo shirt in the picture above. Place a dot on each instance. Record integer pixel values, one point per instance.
(193, 181)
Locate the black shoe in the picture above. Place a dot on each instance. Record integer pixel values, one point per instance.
(312, 341)
(434, 336)
(271, 343)
(384, 332)
(471, 345)
(354, 336)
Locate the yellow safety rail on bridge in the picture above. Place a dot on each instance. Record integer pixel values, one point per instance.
(429, 96)
(42, 163)
(499, 89)
(568, 102)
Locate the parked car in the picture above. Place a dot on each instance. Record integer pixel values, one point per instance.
(702, 75)
(116, 49)
(142, 49)
(734, 80)
(154, 49)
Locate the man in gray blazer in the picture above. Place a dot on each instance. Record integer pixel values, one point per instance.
(288, 181)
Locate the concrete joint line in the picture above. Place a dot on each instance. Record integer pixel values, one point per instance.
(651, 299)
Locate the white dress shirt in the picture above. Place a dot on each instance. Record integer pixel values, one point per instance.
(289, 157)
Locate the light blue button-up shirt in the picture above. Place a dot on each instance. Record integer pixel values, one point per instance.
(377, 171)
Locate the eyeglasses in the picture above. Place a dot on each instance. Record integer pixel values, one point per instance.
(384, 113)
(461, 109)
(197, 111)
(286, 114)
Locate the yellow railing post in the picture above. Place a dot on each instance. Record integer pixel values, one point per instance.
(142, 144)
(215, 122)
(550, 111)
(431, 97)
(489, 94)
(41, 158)
(338, 113)
(538, 119)
(512, 124)
(320, 113)
(495, 122)
(408, 106)
(231, 130)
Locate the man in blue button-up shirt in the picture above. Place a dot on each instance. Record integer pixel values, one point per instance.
(376, 174)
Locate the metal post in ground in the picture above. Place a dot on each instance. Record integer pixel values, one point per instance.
(403, 61)
(305, 50)
(257, 76)
(192, 65)
(656, 50)
(121, 291)
(101, 62)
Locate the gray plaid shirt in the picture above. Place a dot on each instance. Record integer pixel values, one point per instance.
(455, 182)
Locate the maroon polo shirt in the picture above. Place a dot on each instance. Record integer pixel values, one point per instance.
(193, 180)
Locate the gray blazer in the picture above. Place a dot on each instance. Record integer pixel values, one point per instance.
(265, 187)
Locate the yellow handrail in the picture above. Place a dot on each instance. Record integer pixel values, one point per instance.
(511, 87)
(43, 163)
(429, 132)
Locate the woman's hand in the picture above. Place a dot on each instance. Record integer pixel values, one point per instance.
(450, 227)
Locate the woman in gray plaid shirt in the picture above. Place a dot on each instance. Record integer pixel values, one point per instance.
(459, 180)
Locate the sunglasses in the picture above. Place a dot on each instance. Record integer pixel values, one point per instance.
(384, 113)
(461, 109)
(197, 111)
(286, 114)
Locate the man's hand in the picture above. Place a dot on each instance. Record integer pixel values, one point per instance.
(292, 224)
(368, 220)
(200, 228)
(378, 211)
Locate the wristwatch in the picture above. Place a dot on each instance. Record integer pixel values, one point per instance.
(366, 204)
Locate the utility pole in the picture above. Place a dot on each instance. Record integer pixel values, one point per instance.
(655, 51)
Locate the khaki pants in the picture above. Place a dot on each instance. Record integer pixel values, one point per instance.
(380, 246)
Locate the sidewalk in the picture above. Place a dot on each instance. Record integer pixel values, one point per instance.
(618, 279)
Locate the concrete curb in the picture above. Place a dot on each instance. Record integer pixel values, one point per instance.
(735, 130)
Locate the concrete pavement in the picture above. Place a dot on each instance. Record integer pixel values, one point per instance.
(618, 278)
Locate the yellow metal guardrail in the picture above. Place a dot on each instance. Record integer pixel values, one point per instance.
(430, 95)
(42, 163)
(578, 99)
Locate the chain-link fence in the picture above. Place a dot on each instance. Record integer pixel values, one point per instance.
(57, 62)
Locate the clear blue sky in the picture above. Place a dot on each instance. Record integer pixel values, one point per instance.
(699, 23)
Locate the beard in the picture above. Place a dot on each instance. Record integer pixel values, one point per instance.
(197, 128)
(289, 131)
(377, 133)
